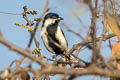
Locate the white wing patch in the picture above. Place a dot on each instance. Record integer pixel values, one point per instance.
(60, 38)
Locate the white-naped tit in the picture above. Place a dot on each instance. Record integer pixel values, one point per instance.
(52, 35)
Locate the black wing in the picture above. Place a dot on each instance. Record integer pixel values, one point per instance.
(52, 39)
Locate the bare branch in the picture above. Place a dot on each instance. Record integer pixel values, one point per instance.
(38, 21)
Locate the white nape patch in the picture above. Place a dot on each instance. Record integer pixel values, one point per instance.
(46, 23)
(60, 37)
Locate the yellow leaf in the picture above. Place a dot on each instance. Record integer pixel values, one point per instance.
(20, 25)
(30, 28)
(42, 55)
(36, 51)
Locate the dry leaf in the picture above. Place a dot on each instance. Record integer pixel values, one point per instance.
(112, 24)
(116, 54)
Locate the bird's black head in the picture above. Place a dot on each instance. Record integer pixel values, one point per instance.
(52, 16)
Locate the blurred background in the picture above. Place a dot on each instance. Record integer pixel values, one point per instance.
(76, 15)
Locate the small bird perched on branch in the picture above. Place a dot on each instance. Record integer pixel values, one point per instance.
(52, 35)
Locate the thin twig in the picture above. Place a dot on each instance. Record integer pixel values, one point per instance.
(78, 34)
(2, 12)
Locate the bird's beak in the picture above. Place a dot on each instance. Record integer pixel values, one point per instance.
(60, 18)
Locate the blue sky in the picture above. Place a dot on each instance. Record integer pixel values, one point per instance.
(20, 37)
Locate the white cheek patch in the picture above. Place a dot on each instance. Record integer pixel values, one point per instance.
(49, 21)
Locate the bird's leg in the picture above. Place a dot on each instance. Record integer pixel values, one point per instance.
(56, 60)
(64, 60)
